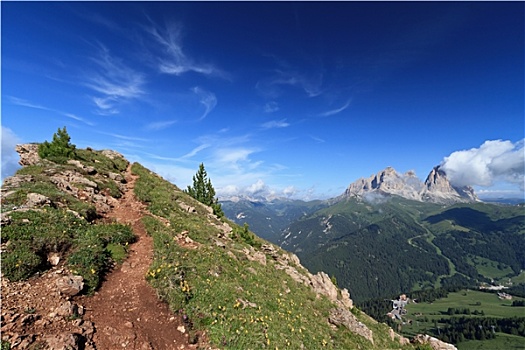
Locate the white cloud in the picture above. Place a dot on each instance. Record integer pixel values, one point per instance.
(173, 60)
(24, 103)
(271, 107)
(9, 155)
(124, 137)
(335, 111)
(494, 194)
(495, 160)
(310, 84)
(317, 139)
(195, 151)
(207, 99)
(114, 81)
(76, 117)
(257, 187)
(231, 157)
(290, 191)
(275, 124)
(160, 125)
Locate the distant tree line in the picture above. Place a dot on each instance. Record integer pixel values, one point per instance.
(458, 329)
(517, 290)
(463, 311)
(379, 307)
(518, 303)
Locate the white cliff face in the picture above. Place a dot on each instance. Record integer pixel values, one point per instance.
(436, 188)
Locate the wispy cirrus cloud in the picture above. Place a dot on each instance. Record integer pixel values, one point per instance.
(173, 59)
(114, 81)
(271, 107)
(335, 111)
(207, 99)
(196, 150)
(25, 103)
(317, 139)
(272, 124)
(311, 84)
(160, 125)
(125, 137)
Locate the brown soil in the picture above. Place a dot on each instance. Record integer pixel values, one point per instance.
(125, 313)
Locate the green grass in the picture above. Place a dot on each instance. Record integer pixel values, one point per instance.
(89, 247)
(502, 341)
(241, 304)
(489, 268)
(489, 303)
(519, 279)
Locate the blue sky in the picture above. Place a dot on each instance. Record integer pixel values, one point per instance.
(291, 98)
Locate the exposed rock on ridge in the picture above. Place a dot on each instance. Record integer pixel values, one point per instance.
(439, 190)
(435, 189)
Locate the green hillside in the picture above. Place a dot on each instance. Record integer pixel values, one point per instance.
(458, 317)
(397, 245)
(269, 218)
(224, 282)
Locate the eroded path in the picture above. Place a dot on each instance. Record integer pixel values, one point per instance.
(126, 311)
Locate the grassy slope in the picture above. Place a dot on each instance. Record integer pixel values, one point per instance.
(474, 300)
(67, 226)
(241, 304)
(487, 224)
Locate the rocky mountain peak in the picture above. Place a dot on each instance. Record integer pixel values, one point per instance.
(387, 181)
(435, 189)
(438, 189)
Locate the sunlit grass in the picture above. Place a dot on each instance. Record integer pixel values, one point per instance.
(240, 303)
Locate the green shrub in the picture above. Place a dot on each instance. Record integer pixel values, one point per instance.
(60, 149)
(20, 262)
(114, 233)
(117, 252)
(101, 162)
(91, 262)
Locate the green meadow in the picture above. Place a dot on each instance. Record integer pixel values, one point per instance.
(425, 317)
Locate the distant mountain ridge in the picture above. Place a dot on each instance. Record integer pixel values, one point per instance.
(436, 188)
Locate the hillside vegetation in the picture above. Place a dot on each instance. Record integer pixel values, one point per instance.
(395, 245)
(228, 287)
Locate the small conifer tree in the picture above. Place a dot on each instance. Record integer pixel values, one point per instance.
(203, 191)
(58, 150)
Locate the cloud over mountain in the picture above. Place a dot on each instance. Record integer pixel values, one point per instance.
(9, 156)
(494, 160)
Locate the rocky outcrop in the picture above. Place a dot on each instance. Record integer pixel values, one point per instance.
(28, 154)
(343, 317)
(436, 188)
(37, 200)
(70, 285)
(38, 314)
(434, 343)
(387, 182)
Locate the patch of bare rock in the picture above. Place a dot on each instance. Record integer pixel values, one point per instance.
(42, 312)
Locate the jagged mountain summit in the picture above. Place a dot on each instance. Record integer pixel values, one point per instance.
(436, 188)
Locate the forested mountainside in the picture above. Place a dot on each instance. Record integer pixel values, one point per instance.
(269, 218)
(65, 236)
(394, 245)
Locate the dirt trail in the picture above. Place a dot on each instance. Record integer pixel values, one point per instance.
(126, 311)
